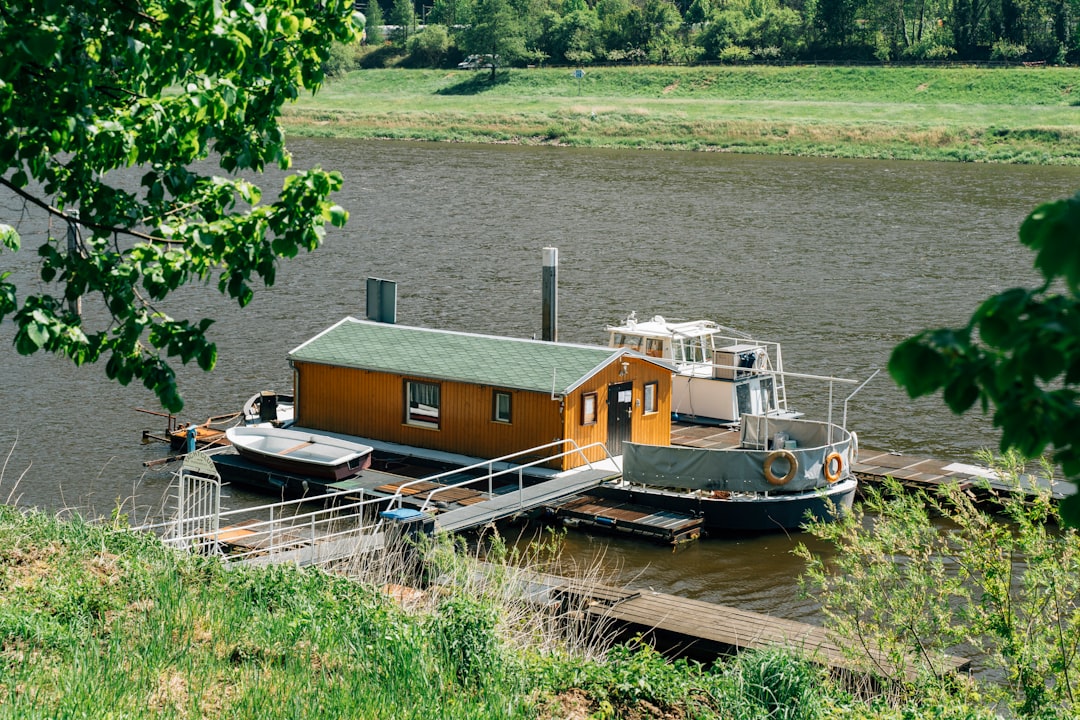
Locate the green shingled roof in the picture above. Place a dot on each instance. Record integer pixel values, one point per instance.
(445, 355)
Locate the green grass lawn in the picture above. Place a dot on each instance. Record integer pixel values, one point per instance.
(1015, 115)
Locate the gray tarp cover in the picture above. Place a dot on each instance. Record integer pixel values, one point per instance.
(740, 470)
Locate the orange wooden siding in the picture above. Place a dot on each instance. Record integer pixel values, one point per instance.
(371, 404)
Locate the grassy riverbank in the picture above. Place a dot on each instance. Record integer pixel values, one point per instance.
(97, 623)
(1008, 115)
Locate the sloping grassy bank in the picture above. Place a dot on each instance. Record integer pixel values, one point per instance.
(1016, 115)
(96, 623)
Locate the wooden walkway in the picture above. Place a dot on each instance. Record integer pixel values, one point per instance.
(920, 471)
(684, 626)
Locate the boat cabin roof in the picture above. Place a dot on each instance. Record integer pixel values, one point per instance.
(658, 327)
(512, 363)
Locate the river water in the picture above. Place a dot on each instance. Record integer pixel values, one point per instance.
(838, 260)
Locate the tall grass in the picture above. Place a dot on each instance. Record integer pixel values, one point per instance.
(96, 622)
(966, 114)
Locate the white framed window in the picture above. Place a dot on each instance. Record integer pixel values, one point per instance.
(650, 397)
(422, 403)
(500, 406)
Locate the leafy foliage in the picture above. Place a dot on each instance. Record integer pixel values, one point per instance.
(1019, 353)
(98, 95)
(917, 576)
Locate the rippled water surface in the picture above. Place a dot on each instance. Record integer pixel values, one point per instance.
(837, 260)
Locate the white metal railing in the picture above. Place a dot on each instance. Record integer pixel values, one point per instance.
(492, 473)
(289, 527)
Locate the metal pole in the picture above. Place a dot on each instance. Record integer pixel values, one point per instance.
(550, 293)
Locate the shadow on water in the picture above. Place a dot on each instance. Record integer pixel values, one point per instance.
(481, 82)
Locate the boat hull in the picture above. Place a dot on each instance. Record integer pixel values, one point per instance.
(301, 453)
(742, 512)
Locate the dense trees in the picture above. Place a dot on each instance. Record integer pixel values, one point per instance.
(583, 31)
(107, 108)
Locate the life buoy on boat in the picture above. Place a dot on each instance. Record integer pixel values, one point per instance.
(831, 459)
(793, 467)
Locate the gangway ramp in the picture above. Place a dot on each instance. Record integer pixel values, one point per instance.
(522, 500)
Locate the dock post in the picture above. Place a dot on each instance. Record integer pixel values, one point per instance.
(550, 293)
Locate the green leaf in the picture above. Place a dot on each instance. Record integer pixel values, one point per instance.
(9, 238)
(917, 367)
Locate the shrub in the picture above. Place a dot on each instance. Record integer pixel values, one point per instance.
(917, 575)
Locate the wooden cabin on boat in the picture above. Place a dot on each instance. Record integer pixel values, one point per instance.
(478, 395)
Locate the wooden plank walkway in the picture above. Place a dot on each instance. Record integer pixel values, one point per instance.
(690, 623)
(705, 628)
(920, 471)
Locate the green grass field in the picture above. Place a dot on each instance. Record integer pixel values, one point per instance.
(1014, 115)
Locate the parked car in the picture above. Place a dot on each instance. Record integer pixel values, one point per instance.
(477, 62)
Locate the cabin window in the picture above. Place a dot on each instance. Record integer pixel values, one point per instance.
(422, 403)
(500, 410)
(650, 397)
(654, 347)
(588, 409)
(628, 341)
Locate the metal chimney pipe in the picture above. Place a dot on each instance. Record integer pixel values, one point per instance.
(550, 292)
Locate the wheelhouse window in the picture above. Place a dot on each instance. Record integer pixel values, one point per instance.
(588, 409)
(500, 407)
(422, 403)
(650, 397)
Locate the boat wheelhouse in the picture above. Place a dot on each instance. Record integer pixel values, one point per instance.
(719, 374)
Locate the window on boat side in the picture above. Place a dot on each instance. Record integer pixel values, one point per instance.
(627, 341)
(650, 397)
(500, 407)
(422, 403)
(654, 347)
(588, 409)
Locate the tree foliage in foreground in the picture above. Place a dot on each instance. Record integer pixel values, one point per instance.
(918, 575)
(1019, 353)
(106, 106)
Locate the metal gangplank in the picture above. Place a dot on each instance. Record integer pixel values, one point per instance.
(522, 500)
(348, 525)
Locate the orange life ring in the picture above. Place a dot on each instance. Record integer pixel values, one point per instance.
(793, 467)
(832, 457)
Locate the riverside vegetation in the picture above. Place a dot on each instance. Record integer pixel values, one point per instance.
(97, 620)
(967, 114)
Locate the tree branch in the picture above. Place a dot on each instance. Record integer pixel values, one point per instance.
(69, 218)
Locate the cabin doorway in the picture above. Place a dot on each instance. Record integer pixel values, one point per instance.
(620, 409)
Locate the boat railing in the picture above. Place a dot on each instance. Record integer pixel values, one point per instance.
(492, 473)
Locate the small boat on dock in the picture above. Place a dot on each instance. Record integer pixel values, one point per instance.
(739, 458)
(301, 452)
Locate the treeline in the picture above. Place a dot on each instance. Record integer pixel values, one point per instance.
(582, 32)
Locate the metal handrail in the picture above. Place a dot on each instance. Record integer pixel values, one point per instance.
(489, 464)
(518, 469)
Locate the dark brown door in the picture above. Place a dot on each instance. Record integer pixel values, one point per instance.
(620, 409)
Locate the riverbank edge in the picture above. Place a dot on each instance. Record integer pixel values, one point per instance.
(434, 106)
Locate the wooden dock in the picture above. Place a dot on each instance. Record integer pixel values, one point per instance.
(613, 515)
(703, 627)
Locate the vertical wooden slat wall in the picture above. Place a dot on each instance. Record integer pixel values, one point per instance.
(371, 404)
